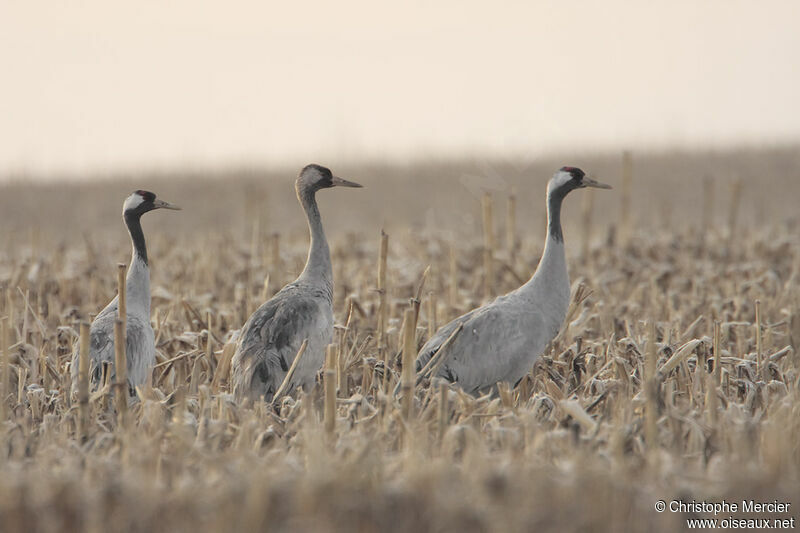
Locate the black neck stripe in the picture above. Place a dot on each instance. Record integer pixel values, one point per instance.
(554, 201)
(133, 221)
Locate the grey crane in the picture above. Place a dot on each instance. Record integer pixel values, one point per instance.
(140, 341)
(500, 341)
(300, 311)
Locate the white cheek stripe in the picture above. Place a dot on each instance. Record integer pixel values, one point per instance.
(560, 179)
(132, 202)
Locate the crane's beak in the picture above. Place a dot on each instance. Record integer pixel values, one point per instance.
(161, 204)
(339, 182)
(589, 182)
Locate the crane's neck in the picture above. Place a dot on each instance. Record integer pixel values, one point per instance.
(137, 283)
(549, 285)
(318, 264)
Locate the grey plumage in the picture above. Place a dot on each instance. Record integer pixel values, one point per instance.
(302, 310)
(272, 336)
(140, 340)
(501, 340)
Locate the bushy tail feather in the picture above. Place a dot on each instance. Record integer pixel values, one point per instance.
(253, 382)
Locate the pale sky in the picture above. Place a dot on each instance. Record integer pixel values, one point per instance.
(96, 86)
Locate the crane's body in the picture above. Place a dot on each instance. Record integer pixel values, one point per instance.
(273, 335)
(500, 341)
(301, 311)
(139, 337)
(140, 347)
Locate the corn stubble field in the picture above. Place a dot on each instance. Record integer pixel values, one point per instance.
(628, 406)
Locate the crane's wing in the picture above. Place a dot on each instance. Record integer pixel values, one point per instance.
(140, 351)
(269, 342)
(101, 345)
(495, 344)
(140, 342)
(430, 348)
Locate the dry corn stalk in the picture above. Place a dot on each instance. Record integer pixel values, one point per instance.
(409, 354)
(120, 369)
(330, 389)
(488, 246)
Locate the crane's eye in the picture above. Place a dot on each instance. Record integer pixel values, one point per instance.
(576, 173)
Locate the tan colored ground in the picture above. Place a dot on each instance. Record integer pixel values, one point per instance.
(564, 451)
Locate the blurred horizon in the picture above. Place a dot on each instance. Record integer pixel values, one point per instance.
(106, 88)
(732, 162)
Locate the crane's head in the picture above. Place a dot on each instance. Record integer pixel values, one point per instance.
(568, 179)
(140, 202)
(315, 177)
